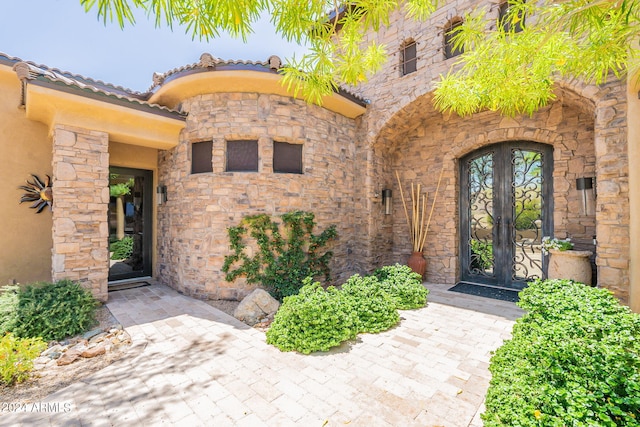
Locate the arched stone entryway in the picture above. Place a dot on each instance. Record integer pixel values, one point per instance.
(586, 127)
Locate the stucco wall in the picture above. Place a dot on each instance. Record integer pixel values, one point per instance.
(25, 253)
(192, 224)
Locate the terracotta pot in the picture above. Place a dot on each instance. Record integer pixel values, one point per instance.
(572, 265)
(417, 263)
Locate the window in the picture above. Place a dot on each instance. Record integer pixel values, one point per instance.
(242, 156)
(201, 157)
(408, 60)
(449, 33)
(287, 158)
(505, 19)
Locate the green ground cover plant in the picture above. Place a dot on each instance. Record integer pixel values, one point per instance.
(316, 319)
(286, 252)
(121, 249)
(51, 311)
(16, 357)
(312, 320)
(403, 285)
(573, 360)
(374, 308)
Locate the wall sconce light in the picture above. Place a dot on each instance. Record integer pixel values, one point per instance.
(161, 194)
(387, 197)
(587, 195)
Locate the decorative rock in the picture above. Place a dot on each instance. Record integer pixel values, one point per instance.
(94, 351)
(98, 338)
(53, 349)
(68, 358)
(92, 333)
(255, 307)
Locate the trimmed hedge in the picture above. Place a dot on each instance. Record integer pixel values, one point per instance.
(574, 360)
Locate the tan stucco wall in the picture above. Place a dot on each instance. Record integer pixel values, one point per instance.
(25, 148)
(131, 156)
(633, 114)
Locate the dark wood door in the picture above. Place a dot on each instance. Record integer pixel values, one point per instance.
(505, 209)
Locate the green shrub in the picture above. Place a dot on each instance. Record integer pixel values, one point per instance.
(573, 360)
(481, 254)
(374, 308)
(121, 249)
(403, 285)
(312, 320)
(285, 254)
(53, 311)
(16, 357)
(8, 308)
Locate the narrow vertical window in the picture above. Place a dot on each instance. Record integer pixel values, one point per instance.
(242, 156)
(449, 33)
(507, 22)
(201, 157)
(287, 158)
(408, 57)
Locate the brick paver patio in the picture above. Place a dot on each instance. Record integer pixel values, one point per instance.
(193, 365)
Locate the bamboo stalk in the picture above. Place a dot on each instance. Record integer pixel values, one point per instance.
(435, 197)
(404, 203)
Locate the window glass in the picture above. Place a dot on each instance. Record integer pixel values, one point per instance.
(201, 157)
(287, 158)
(505, 20)
(408, 58)
(449, 32)
(242, 156)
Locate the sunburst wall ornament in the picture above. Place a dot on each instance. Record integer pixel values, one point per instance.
(39, 193)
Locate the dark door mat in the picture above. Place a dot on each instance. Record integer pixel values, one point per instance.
(486, 291)
(123, 286)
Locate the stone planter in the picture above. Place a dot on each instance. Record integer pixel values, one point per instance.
(573, 265)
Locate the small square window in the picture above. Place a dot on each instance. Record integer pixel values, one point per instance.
(408, 58)
(287, 158)
(242, 156)
(201, 157)
(506, 21)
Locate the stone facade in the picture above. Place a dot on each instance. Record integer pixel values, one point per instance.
(402, 132)
(81, 198)
(192, 225)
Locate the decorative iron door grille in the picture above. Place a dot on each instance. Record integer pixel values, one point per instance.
(506, 205)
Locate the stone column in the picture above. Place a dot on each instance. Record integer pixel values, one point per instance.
(612, 180)
(81, 199)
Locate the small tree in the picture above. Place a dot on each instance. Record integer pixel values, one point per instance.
(283, 259)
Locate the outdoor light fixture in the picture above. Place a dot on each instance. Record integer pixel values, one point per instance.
(386, 200)
(587, 195)
(161, 194)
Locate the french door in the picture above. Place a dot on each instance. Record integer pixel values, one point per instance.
(130, 228)
(506, 205)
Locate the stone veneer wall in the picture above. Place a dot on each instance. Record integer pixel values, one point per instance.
(401, 130)
(192, 235)
(81, 198)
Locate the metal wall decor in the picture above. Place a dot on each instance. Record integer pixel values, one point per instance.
(39, 192)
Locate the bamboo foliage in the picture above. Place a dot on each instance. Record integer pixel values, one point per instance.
(418, 222)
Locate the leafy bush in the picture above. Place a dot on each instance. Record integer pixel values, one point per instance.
(121, 249)
(51, 311)
(8, 308)
(574, 360)
(374, 308)
(403, 285)
(481, 254)
(16, 357)
(282, 260)
(312, 320)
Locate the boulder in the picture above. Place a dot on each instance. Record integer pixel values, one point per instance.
(68, 357)
(94, 351)
(256, 307)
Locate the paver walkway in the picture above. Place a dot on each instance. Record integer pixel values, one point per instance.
(193, 365)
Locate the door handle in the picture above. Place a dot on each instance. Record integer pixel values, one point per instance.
(498, 223)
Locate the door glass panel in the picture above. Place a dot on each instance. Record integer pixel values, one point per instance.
(127, 256)
(481, 216)
(526, 227)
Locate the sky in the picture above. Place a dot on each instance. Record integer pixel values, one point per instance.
(59, 34)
